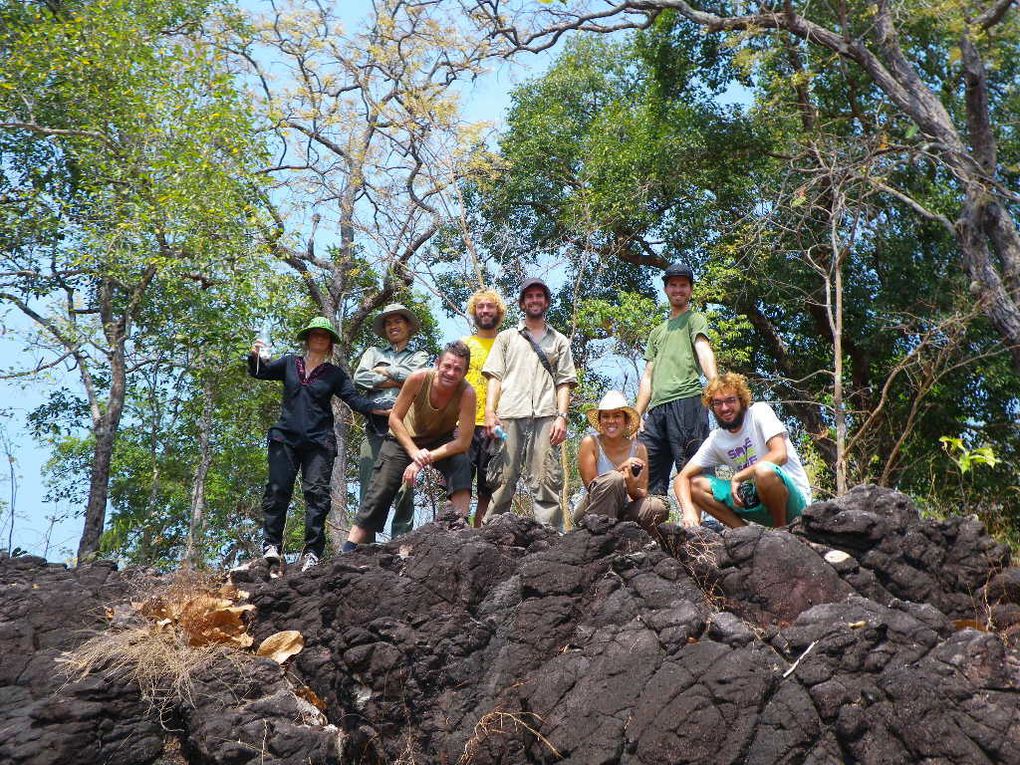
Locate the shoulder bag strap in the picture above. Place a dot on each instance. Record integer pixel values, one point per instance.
(543, 359)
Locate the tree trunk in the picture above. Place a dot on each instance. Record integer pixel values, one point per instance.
(338, 522)
(201, 471)
(104, 431)
(99, 489)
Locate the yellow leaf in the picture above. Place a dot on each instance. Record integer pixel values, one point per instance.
(282, 645)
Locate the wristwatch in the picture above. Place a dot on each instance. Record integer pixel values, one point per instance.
(562, 414)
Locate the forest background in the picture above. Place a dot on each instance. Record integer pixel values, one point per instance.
(177, 178)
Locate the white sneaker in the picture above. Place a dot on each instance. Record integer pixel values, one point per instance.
(272, 555)
(310, 561)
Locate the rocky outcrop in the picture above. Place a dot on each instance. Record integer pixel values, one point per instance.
(862, 634)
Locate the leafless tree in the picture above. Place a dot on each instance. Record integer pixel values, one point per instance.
(370, 147)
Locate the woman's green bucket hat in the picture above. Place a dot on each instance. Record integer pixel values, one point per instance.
(319, 322)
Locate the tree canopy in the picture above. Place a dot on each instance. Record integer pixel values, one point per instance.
(178, 177)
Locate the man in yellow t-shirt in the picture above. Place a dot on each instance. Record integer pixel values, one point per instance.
(486, 309)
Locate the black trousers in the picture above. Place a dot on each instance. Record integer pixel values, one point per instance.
(316, 466)
(673, 432)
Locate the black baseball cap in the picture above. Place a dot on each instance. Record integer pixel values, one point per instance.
(678, 269)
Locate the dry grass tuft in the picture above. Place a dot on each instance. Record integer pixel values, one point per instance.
(500, 723)
(155, 658)
(162, 639)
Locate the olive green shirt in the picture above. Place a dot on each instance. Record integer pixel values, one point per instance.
(676, 372)
(527, 389)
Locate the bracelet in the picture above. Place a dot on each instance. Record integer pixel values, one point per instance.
(562, 414)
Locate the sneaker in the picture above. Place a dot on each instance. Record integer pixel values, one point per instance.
(310, 561)
(271, 553)
(348, 547)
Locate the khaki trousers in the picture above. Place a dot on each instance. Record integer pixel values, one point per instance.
(528, 453)
(607, 495)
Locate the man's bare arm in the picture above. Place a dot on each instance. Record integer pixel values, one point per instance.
(644, 390)
(706, 357)
(400, 409)
(690, 515)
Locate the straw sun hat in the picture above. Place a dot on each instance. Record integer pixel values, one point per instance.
(612, 401)
(395, 309)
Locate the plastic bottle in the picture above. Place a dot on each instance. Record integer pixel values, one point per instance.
(499, 433)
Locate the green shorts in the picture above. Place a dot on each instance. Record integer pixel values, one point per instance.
(795, 502)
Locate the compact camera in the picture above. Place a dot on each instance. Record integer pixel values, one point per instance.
(748, 493)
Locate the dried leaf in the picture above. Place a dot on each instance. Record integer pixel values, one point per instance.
(970, 624)
(282, 645)
(306, 693)
(207, 619)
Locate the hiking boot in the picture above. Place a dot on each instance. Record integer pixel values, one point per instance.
(311, 560)
(271, 554)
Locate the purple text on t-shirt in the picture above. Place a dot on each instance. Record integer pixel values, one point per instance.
(744, 455)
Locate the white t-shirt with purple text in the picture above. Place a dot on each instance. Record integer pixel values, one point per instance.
(748, 445)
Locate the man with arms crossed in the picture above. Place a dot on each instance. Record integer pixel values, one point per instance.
(431, 405)
(528, 396)
(486, 309)
(380, 374)
(768, 486)
(678, 351)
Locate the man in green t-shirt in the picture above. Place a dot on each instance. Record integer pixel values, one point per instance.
(678, 353)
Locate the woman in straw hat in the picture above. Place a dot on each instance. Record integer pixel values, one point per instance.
(303, 438)
(612, 465)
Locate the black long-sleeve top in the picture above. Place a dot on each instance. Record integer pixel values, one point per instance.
(306, 414)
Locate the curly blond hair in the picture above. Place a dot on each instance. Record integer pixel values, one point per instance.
(728, 381)
(486, 294)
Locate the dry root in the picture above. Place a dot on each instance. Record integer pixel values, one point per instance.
(500, 723)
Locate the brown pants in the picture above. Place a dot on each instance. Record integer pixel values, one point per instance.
(607, 495)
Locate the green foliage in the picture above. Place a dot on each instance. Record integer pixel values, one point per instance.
(621, 156)
(965, 458)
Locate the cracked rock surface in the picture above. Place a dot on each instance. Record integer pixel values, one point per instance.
(860, 635)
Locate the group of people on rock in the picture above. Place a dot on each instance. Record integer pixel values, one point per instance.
(494, 406)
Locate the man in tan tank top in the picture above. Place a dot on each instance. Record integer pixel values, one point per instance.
(433, 403)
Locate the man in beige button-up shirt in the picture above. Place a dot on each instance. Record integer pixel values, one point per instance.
(530, 404)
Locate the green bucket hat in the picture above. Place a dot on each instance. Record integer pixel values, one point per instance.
(319, 322)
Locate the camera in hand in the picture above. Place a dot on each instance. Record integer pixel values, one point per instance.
(635, 470)
(748, 493)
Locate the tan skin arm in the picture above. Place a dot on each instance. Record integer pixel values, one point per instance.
(644, 389)
(465, 431)
(706, 359)
(558, 432)
(776, 454)
(587, 460)
(690, 515)
(492, 392)
(400, 409)
(637, 487)
(587, 464)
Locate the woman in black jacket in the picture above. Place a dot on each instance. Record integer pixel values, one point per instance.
(303, 438)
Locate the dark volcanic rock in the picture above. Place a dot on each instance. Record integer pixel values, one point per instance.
(860, 638)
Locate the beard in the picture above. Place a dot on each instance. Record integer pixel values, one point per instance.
(485, 322)
(737, 422)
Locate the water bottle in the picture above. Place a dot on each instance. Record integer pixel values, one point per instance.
(499, 433)
(265, 351)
